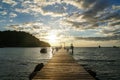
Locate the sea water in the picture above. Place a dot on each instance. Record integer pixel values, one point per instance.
(104, 61)
(18, 63)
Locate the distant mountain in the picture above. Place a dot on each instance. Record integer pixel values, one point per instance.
(20, 39)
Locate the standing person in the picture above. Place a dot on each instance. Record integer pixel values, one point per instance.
(72, 47)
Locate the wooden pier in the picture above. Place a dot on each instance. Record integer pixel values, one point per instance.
(62, 67)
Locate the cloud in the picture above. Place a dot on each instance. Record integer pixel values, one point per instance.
(115, 23)
(77, 25)
(35, 28)
(54, 8)
(115, 15)
(10, 2)
(111, 30)
(3, 13)
(81, 4)
(107, 38)
(72, 14)
(37, 6)
(12, 15)
(39, 30)
(95, 14)
(81, 25)
(22, 10)
(98, 6)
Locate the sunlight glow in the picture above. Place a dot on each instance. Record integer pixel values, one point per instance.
(52, 38)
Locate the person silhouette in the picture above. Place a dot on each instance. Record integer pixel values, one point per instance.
(72, 47)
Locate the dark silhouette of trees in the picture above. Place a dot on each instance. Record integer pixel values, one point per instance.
(20, 39)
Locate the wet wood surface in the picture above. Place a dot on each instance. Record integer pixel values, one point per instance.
(62, 66)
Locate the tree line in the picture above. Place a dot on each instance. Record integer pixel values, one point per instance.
(20, 39)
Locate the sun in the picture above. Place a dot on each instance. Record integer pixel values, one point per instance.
(52, 38)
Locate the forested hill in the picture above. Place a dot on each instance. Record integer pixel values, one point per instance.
(20, 39)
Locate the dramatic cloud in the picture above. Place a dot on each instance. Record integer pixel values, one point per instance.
(86, 19)
(51, 8)
(81, 4)
(113, 30)
(99, 5)
(115, 23)
(77, 25)
(95, 15)
(112, 15)
(89, 14)
(10, 2)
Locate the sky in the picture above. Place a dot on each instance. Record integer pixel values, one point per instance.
(85, 23)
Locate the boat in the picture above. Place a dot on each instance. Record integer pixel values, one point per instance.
(43, 50)
(115, 47)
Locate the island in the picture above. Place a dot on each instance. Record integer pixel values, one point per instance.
(20, 39)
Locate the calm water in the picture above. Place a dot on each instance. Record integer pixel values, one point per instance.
(18, 63)
(104, 61)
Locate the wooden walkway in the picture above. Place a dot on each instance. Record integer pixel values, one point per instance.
(62, 67)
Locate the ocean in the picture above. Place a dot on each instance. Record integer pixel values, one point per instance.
(104, 61)
(18, 63)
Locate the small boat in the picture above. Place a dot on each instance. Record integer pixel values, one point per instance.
(43, 50)
(115, 47)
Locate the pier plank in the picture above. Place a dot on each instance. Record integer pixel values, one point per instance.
(62, 67)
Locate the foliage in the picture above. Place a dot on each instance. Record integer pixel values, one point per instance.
(20, 39)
